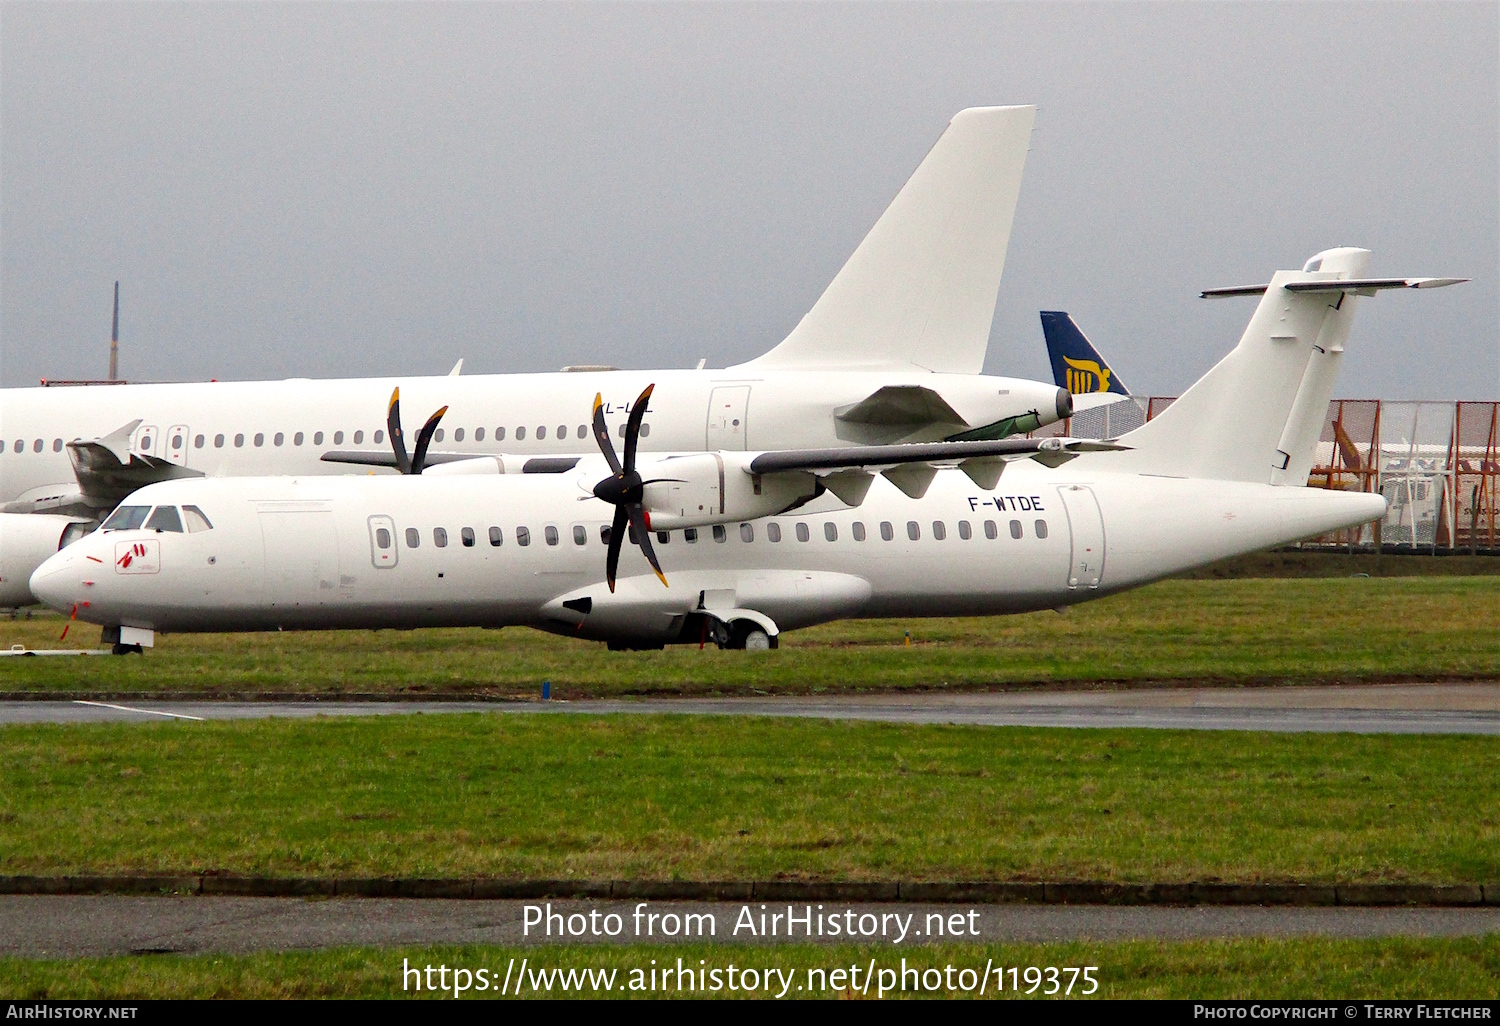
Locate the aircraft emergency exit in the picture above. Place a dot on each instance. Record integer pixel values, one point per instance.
(738, 546)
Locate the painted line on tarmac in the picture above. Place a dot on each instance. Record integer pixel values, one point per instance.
(149, 712)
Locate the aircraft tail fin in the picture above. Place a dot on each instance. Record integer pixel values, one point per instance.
(920, 289)
(1258, 413)
(1076, 364)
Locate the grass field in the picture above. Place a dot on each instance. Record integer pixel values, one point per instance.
(676, 797)
(1264, 969)
(1223, 631)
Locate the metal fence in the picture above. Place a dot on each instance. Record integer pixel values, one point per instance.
(1436, 463)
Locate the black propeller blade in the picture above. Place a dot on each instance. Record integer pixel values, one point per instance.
(415, 463)
(624, 489)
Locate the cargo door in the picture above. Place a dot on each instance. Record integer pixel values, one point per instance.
(176, 449)
(727, 408)
(302, 556)
(1086, 532)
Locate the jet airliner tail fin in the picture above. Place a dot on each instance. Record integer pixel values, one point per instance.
(1076, 364)
(920, 289)
(1258, 413)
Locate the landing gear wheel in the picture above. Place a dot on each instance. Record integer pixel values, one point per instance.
(119, 649)
(757, 641)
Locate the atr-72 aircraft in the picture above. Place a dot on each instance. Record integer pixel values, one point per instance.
(1220, 472)
(892, 351)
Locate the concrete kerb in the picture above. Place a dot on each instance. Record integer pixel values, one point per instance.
(1075, 892)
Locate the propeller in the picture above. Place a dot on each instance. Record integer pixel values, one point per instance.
(624, 488)
(415, 463)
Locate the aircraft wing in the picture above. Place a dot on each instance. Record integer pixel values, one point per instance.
(386, 458)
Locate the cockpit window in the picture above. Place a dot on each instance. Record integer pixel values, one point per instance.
(165, 519)
(195, 519)
(126, 518)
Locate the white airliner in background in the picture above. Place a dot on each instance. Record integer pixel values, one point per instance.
(892, 351)
(1220, 472)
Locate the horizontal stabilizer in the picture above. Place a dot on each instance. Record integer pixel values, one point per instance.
(1358, 286)
(922, 452)
(920, 289)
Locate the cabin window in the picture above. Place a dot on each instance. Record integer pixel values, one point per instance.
(645, 430)
(198, 442)
(260, 438)
(939, 530)
(720, 534)
(803, 534)
(747, 533)
(887, 532)
(458, 434)
(913, 530)
(662, 536)
(479, 434)
(165, 519)
(690, 535)
(541, 432)
(1041, 528)
(523, 536)
(562, 432)
(359, 436)
(499, 434)
(239, 441)
(583, 430)
(218, 441)
(830, 531)
(338, 438)
(520, 434)
(858, 529)
(382, 538)
(550, 533)
(126, 518)
(495, 537)
(773, 531)
(20, 445)
(380, 437)
(197, 522)
(467, 536)
(437, 436)
(37, 445)
(440, 537)
(57, 444)
(1015, 529)
(990, 530)
(317, 438)
(964, 530)
(278, 438)
(580, 534)
(413, 538)
(297, 438)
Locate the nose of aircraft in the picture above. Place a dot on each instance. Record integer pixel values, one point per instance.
(59, 581)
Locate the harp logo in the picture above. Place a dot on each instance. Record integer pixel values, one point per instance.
(138, 557)
(1086, 376)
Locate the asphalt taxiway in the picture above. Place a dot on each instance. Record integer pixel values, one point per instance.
(1469, 708)
(62, 926)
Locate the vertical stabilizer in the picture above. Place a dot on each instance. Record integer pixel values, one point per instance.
(1076, 364)
(1257, 414)
(920, 289)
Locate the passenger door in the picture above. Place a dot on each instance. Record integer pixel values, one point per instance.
(176, 449)
(727, 409)
(1086, 531)
(146, 440)
(383, 542)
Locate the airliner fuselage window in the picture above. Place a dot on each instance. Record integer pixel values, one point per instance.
(467, 535)
(773, 531)
(413, 538)
(458, 434)
(495, 537)
(127, 518)
(1041, 528)
(802, 532)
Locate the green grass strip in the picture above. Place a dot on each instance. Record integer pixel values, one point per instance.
(714, 798)
(1463, 968)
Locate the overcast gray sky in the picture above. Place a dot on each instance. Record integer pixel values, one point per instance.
(345, 189)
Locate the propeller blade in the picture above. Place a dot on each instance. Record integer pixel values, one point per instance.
(616, 539)
(643, 535)
(601, 435)
(424, 438)
(393, 428)
(633, 428)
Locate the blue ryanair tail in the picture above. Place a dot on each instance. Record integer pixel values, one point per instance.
(1076, 364)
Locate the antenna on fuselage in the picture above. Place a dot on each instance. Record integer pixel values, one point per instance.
(114, 340)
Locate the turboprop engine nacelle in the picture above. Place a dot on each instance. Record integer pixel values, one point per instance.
(707, 488)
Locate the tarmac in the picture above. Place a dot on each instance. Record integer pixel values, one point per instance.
(65, 926)
(1469, 708)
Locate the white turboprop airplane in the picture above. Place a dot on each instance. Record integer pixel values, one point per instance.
(892, 351)
(1220, 472)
